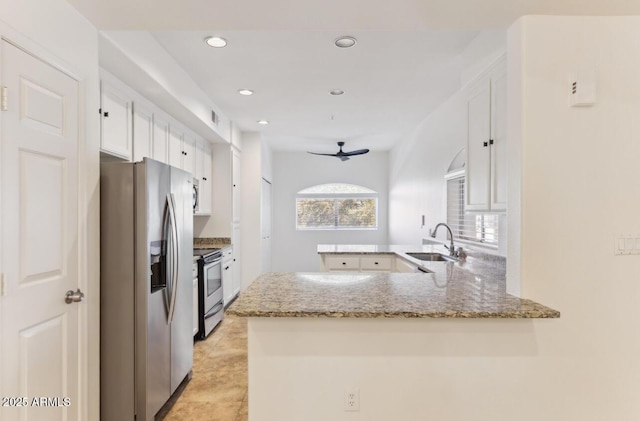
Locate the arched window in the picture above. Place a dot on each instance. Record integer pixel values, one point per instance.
(336, 206)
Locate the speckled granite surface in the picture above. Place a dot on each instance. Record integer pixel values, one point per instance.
(453, 290)
(211, 242)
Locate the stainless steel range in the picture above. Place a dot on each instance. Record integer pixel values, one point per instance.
(210, 295)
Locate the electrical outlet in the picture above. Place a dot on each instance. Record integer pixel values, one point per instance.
(352, 399)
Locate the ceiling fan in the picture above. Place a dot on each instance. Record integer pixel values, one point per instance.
(344, 156)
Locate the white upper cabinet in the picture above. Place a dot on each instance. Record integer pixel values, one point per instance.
(115, 122)
(142, 133)
(175, 147)
(203, 174)
(486, 142)
(189, 154)
(160, 139)
(499, 136)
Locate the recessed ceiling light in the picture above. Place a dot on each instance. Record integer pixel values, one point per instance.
(245, 92)
(263, 122)
(216, 42)
(345, 42)
(336, 92)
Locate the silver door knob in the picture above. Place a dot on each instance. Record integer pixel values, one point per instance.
(73, 297)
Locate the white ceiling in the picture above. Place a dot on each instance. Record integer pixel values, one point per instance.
(391, 81)
(405, 63)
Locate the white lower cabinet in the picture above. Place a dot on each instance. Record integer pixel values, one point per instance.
(368, 263)
(376, 263)
(228, 287)
(405, 267)
(333, 263)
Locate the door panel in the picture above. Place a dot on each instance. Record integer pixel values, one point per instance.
(41, 187)
(479, 132)
(39, 207)
(42, 346)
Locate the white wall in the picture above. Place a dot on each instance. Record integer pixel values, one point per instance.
(293, 171)
(580, 187)
(256, 164)
(57, 33)
(418, 164)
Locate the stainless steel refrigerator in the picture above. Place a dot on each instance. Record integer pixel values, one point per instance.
(146, 246)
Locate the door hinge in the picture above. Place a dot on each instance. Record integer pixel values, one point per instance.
(3, 99)
(3, 289)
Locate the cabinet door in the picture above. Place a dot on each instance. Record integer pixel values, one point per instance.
(403, 266)
(175, 148)
(160, 139)
(227, 282)
(142, 133)
(236, 180)
(189, 154)
(205, 181)
(499, 140)
(115, 123)
(478, 151)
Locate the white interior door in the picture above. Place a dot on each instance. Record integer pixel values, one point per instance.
(265, 227)
(39, 339)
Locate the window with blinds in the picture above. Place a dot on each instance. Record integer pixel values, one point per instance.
(336, 206)
(477, 227)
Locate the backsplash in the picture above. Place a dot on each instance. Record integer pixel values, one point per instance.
(211, 242)
(499, 262)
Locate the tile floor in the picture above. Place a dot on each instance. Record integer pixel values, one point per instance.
(218, 388)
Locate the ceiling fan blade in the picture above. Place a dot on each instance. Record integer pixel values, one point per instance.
(358, 152)
(323, 154)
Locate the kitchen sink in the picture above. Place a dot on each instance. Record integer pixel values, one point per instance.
(432, 257)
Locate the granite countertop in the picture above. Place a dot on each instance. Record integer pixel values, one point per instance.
(472, 289)
(212, 243)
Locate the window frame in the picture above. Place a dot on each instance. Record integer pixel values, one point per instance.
(461, 174)
(337, 197)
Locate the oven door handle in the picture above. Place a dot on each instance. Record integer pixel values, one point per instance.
(175, 254)
(216, 308)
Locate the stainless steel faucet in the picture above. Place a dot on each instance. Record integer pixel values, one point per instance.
(452, 250)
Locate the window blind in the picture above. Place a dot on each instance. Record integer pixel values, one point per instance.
(477, 227)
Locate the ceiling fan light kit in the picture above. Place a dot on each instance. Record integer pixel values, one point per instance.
(343, 156)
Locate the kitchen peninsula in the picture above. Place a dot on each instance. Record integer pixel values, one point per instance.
(314, 337)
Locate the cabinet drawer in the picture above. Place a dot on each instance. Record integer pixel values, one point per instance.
(227, 253)
(342, 263)
(375, 263)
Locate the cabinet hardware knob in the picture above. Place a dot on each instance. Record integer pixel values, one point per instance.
(204, 178)
(490, 141)
(376, 263)
(344, 263)
(106, 114)
(485, 144)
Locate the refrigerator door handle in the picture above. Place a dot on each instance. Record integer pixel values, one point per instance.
(175, 250)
